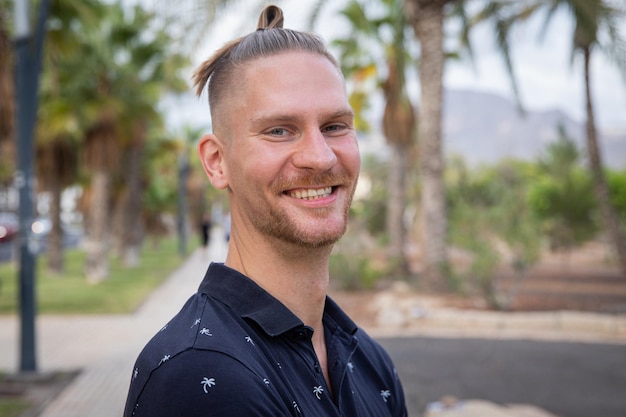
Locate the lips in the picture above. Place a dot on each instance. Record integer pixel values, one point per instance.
(311, 193)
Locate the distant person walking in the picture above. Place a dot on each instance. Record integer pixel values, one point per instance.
(205, 230)
(226, 225)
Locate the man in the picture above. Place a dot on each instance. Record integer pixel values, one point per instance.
(261, 338)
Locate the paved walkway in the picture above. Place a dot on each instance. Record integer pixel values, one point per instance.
(104, 348)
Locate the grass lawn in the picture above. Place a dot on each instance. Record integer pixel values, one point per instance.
(13, 407)
(12, 403)
(70, 293)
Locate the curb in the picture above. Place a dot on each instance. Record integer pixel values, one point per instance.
(405, 315)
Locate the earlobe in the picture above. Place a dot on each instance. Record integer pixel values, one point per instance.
(211, 155)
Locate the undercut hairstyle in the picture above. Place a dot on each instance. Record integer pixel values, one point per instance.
(223, 68)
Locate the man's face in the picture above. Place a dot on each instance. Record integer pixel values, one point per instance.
(291, 156)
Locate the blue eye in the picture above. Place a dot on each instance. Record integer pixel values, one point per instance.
(278, 131)
(335, 129)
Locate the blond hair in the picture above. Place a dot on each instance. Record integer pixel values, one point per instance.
(270, 38)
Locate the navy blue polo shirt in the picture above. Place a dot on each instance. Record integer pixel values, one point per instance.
(234, 350)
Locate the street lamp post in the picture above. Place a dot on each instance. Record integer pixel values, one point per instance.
(28, 64)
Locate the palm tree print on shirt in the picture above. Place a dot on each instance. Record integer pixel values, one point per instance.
(318, 391)
(207, 383)
(385, 394)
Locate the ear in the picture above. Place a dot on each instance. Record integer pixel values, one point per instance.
(211, 154)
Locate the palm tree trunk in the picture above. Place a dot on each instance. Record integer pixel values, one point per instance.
(132, 234)
(395, 207)
(97, 262)
(55, 238)
(118, 223)
(427, 21)
(601, 188)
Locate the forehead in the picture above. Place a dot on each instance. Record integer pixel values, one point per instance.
(291, 59)
(296, 79)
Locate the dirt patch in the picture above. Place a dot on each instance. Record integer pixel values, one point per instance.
(549, 286)
(26, 395)
(581, 288)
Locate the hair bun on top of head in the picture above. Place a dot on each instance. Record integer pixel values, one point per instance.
(271, 17)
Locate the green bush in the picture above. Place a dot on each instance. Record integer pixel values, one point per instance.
(488, 209)
(354, 272)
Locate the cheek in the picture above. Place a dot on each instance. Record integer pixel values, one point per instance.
(252, 171)
(350, 157)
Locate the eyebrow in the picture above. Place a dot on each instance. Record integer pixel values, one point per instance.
(289, 118)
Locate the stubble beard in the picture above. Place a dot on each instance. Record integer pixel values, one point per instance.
(276, 223)
(286, 229)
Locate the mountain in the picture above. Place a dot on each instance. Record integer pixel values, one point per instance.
(484, 128)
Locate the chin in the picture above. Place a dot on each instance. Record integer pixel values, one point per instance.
(314, 244)
(300, 231)
(320, 238)
(316, 240)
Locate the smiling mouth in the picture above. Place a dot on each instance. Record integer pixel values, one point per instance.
(311, 193)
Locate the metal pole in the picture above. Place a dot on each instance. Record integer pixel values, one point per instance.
(28, 63)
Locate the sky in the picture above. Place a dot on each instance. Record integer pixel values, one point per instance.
(547, 78)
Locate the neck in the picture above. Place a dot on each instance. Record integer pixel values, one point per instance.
(297, 277)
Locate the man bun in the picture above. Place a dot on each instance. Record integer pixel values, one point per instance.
(271, 17)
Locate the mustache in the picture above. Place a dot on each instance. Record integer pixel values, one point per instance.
(339, 178)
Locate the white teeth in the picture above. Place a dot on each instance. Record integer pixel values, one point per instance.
(312, 194)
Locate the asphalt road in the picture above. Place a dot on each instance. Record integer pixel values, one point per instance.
(567, 379)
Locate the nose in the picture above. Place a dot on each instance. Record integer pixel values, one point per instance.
(314, 152)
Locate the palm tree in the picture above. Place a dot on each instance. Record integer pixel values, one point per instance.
(387, 34)
(590, 17)
(58, 127)
(427, 19)
(57, 162)
(152, 69)
(596, 26)
(117, 77)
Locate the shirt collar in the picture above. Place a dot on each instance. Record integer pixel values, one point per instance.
(249, 300)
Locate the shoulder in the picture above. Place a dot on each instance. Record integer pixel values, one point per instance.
(204, 358)
(198, 380)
